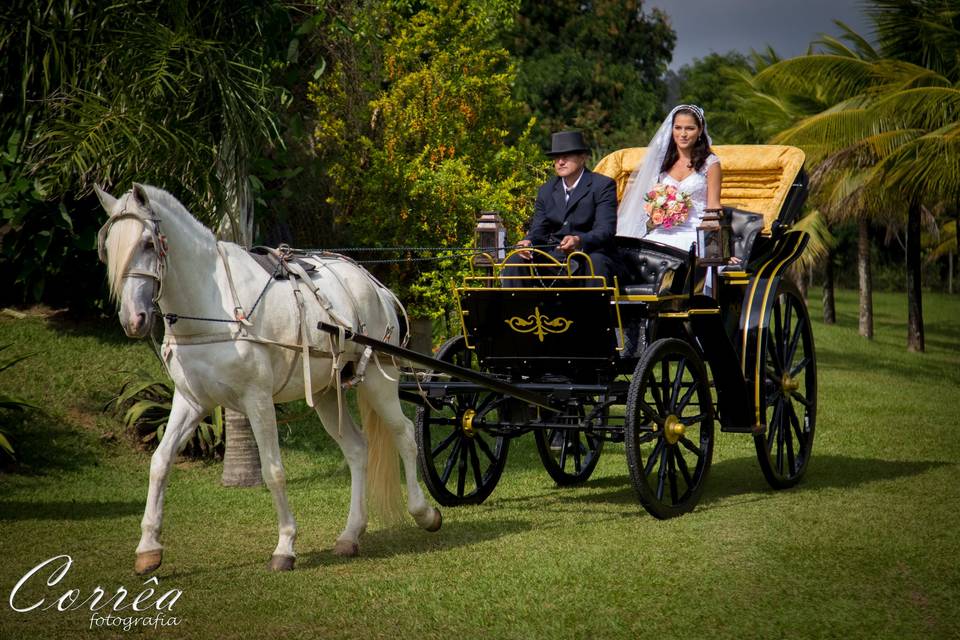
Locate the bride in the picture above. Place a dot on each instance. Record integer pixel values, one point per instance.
(679, 155)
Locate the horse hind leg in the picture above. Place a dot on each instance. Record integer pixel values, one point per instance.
(184, 417)
(354, 447)
(380, 401)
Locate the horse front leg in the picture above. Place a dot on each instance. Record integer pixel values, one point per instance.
(184, 417)
(263, 421)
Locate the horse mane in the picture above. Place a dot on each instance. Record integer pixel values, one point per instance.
(124, 234)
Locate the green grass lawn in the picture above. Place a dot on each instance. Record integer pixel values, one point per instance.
(866, 546)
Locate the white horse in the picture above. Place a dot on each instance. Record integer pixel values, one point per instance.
(159, 256)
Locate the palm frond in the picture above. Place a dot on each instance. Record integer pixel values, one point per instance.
(838, 77)
(926, 167)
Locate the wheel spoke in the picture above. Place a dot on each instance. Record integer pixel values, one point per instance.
(576, 451)
(684, 469)
(773, 358)
(475, 463)
(773, 425)
(800, 366)
(652, 460)
(672, 475)
(795, 423)
(485, 448)
(788, 436)
(654, 387)
(796, 395)
(780, 440)
(686, 442)
(777, 331)
(787, 326)
(794, 341)
(452, 460)
(486, 402)
(677, 382)
(650, 413)
(462, 471)
(662, 473)
(689, 420)
(445, 443)
(682, 404)
(563, 451)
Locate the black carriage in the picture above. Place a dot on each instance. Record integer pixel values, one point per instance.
(653, 362)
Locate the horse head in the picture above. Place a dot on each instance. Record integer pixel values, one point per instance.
(131, 246)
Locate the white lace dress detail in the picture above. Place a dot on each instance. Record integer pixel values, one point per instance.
(695, 185)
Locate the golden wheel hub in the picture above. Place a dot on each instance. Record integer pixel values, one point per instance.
(673, 429)
(466, 422)
(788, 384)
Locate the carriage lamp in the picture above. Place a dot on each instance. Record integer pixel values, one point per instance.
(714, 238)
(490, 238)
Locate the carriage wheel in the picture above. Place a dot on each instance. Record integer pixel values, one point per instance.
(789, 392)
(569, 456)
(669, 428)
(459, 461)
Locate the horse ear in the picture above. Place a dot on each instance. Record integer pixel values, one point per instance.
(106, 200)
(140, 195)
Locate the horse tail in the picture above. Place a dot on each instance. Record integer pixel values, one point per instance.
(383, 466)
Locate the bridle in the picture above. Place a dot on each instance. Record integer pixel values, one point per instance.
(152, 225)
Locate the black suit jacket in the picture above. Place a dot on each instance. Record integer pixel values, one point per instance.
(591, 213)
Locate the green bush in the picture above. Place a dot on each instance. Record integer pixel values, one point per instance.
(8, 402)
(144, 401)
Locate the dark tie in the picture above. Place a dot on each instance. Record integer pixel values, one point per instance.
(566, 195)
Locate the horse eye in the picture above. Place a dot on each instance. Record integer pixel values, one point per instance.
(148, 244)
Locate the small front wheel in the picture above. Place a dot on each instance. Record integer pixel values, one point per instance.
(668, 428)
(459, 460)
(569, 455)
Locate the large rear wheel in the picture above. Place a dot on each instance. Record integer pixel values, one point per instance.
(459, 460)
(789, 392)
(668, 428)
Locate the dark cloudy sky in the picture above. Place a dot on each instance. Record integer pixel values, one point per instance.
(706, 26)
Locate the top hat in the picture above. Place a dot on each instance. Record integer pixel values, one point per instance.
(567, 142)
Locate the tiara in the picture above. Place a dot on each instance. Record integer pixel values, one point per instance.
(691, 107)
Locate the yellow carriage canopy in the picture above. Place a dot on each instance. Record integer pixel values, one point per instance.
(756, 178)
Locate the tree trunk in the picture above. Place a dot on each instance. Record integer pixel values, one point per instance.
(950, 272)
(829, 308)
(800, 278)
(866, 279)
(241, 458)
(914, 293)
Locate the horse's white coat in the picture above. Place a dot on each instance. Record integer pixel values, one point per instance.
(250, 377)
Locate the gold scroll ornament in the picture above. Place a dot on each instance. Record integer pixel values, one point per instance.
(541, 324)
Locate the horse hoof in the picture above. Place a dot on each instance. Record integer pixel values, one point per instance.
(281, 563)
(437, 522)
(345, 548)
(148, 561)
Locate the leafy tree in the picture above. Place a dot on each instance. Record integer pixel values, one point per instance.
(710, 82)
(173, 93)
(414, 160)
(597, 66)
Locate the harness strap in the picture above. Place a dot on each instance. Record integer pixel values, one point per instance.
(238, 311)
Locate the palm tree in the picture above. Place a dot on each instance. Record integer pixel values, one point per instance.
(891, 118)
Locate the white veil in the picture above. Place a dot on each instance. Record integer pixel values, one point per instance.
(631, 217)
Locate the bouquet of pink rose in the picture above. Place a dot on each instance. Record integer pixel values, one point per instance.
(666, 205)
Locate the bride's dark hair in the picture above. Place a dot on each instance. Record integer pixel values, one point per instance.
(701, 148)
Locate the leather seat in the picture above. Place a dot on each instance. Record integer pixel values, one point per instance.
(651, 268)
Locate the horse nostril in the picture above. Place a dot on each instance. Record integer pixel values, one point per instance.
(140, 320)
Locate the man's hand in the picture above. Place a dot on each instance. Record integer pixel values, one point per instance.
(569, 244)
(526, 255)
